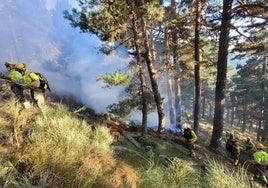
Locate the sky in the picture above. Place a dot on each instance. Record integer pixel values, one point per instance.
(35, 32)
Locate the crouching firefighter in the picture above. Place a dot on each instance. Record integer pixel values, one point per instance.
(190, 138)
(36, 83)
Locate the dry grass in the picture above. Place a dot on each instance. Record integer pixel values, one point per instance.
(101, 170)
(93, 167)
(124, 176)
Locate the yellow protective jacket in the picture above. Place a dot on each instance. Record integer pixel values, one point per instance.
(236, 147)
(15, 76)
(260, 156)
(190, 136)
(31, 79)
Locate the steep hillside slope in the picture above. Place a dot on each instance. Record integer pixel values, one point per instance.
(69, 145)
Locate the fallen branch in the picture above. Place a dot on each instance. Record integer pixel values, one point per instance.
(130, 138)
(120, 148)
(116, 124)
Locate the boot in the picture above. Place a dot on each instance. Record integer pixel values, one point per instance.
(235, 162)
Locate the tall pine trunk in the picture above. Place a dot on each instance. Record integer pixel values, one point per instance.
(197, 66)
(141, 74)
(245, 110)
(221, 74)
(152, 74)
(176, 68)
(265, 63)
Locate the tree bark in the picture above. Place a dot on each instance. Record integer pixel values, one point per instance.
(141, 74)
(203, 106)
(245, 110)
(221, 74)
(197, 67)
(152, 74)
(264, 99)
(177, 71)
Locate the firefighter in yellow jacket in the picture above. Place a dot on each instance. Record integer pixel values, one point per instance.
(261, 159)
(235, 153)
(32, 81)
(190, 138)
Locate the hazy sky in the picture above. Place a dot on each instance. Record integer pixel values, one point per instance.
(51, 4)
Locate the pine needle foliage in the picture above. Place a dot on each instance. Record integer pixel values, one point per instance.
(116, 79)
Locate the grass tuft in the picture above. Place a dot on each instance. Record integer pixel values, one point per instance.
(220, 175)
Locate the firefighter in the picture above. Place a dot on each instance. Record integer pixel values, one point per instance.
(190, 138)
(32, 81)
(261, 159)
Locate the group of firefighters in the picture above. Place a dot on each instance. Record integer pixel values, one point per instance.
(256, 152)
(21, 79)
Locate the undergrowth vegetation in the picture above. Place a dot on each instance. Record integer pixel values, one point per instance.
(55, 148)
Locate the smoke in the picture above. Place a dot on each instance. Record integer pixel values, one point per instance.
(35, 32)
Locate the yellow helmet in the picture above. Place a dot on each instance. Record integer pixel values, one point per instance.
(260, 146)
(20, 66)
(9, 64)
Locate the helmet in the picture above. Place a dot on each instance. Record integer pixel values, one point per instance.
(9, 64)
(260, 146)
(20, 66)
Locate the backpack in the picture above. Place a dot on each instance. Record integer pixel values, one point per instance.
(236, 146)
(188, 134)
(229, 145)
(43, 82)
